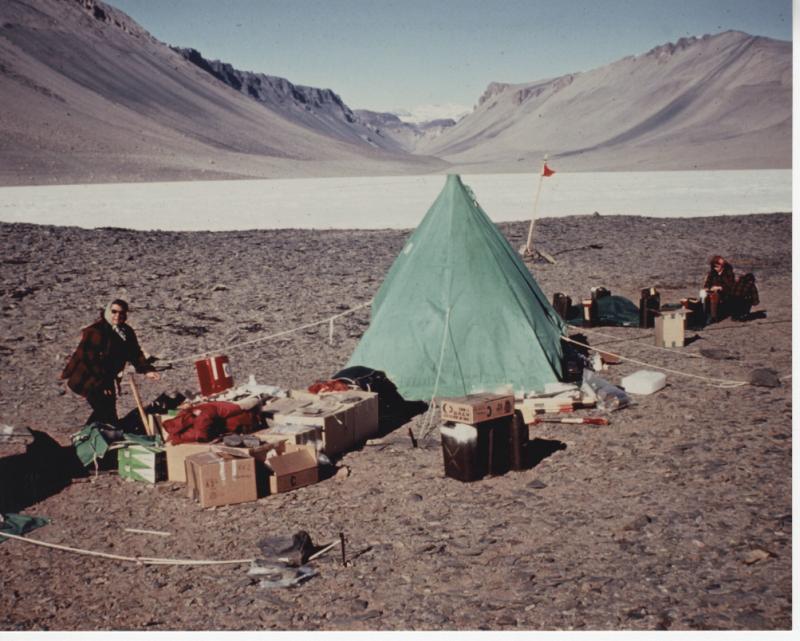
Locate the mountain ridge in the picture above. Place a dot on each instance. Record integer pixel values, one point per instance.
(88, 95)
(725, 97)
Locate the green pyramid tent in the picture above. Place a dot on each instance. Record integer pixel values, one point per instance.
(459, 312)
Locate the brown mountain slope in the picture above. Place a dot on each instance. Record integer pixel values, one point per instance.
(714, 102)
(87, 95)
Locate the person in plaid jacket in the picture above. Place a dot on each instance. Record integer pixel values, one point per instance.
(736, 296)
(106, 346)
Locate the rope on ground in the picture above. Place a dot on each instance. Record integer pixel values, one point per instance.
(328, 321)
(715, 382)
(665, 349)
(140, 560)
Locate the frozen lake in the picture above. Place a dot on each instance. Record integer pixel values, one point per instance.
(391, 202)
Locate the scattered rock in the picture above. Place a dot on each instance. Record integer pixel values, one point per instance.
(764, 377)
(536, 484)
(755, 555)
(640, 522)
(718, 354)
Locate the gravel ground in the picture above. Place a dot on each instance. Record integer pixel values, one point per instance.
(676, 516)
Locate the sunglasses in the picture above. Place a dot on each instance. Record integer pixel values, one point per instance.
(119, 311)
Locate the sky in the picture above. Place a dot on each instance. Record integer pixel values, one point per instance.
(388, 55)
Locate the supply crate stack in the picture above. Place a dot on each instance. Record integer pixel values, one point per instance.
(482, 435)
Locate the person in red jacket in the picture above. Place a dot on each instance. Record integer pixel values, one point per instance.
(106, 346)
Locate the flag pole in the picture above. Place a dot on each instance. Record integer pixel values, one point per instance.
(528, 245)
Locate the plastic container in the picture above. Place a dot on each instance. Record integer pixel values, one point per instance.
(460, 451)
(472, 451)
(644, 382)
(518, 443)
(609, 397)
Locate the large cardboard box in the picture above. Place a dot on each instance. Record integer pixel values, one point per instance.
(477, 408)
(176, 457)
(221, 478)
(345, 418)
(142, 463)
(295, 467)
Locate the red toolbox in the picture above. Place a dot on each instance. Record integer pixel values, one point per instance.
(214, 374)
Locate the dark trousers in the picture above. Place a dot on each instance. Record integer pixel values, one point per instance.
(740, 307)
(104, 407)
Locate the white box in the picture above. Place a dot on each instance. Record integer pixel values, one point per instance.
(644, 382)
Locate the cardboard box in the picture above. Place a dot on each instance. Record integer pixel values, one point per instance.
(346, 419)
(287, 405)
(268, 436)
(530, 407)
(221, 478)
(299, 434)
(477, 408)
(295, 467)
(176, 457)
(259, 453)
(142, 463)
(670, 328)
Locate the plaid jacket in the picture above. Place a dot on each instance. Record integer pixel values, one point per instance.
(726, 280)
(99, 358)
(746, 289)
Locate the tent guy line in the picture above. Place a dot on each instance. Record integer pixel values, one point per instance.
(139, 560)
(329, 321)
(715, 382)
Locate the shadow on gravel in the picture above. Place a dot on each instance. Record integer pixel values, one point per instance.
(44, 469)
(540, 448)
(397, 413)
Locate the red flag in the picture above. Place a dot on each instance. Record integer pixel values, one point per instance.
(546, 171)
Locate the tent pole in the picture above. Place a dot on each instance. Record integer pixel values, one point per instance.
(528, 246)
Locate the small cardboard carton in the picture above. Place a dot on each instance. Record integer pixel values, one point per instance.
(295, 467)
(345, 418)
(530, 407)
(477, 408)
(259, 454)
(670, 328)
(221, 478)
(142, 463)
(176, 457)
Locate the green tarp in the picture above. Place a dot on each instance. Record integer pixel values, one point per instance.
(611, 310)
(459, 312)
(20, 524)
(89, 444)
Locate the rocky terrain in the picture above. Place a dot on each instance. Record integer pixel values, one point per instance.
(676, 516)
